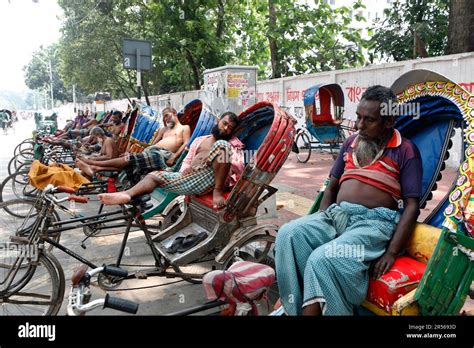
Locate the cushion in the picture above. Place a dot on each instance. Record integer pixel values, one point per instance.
(403, 277)
(207, 199)
(244, 281)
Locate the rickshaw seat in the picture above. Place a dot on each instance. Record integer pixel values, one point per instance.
(406, 272)
(206, 199)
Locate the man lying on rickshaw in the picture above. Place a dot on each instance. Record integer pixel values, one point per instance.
(213, 162)
(323, 259)
(168, 146)
(84, 141)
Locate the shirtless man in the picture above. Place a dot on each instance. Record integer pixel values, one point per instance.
(108, 150)
(170, 142)
(376, 174)
(206, 167)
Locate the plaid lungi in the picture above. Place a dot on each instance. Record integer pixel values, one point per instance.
(199, 181)
(152, 158)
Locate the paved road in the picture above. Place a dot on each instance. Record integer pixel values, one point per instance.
(297, 186)
(153, 300)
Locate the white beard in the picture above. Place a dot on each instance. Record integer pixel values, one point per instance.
(365, 151)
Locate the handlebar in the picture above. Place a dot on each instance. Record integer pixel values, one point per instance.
(80, 293)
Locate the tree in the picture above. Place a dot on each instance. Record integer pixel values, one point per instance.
(37, 74)
(410, 29)
(461, 26)
(301, 38)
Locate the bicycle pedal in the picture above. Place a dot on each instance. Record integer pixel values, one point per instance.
(83, 246)
(141, 275)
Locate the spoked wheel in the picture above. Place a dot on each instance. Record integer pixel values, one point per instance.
(18, 216)
(304, 147)
(24, 145)
(23, 159)
(30, 281)
(17, 186)
(341, 138)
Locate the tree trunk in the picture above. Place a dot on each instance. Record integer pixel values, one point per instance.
(461, 26)
(220, 19)
(194, 67)
(276, 64)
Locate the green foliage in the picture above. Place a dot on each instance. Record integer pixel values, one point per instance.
(309, 38)
(394, 35)
(37, 73)
(189, 37)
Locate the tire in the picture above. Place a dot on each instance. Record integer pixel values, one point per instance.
(340, 140)
(25, 159)
(304, 151)
(16, 186)
(19, 215)
(25, 144)
(36, 287)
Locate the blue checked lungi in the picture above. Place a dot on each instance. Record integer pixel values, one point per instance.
(316, 258)
(152, 158)
(199, 181)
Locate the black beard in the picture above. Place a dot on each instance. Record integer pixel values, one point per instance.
(117, 122)
(218, 135)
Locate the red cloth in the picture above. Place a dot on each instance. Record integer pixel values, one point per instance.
(403, 277)
(244, 281)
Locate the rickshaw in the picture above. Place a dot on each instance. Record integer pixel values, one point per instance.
(6, 120)
(324, 106)
(231, 232)
(434, 274)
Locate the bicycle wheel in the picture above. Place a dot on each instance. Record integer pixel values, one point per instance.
(304, 147)
(25, 144)
(17, 186)
(30, 283)
(23, 159)
(18, 216)
(341, 138)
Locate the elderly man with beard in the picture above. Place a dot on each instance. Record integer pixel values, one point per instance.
(213, 162)
(170, 142)
(376, 173)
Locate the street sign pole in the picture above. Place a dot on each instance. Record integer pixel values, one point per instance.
(139, 75)
(137, 56)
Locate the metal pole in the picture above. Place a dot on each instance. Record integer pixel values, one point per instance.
(139, 75)
(74, 97)
(51, 83)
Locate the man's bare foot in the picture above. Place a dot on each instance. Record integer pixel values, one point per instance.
(115, 198)
(218, 199)
(85, 168)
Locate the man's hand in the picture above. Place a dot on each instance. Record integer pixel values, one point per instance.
(383, 264)
(187, 171)
(169, 162)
